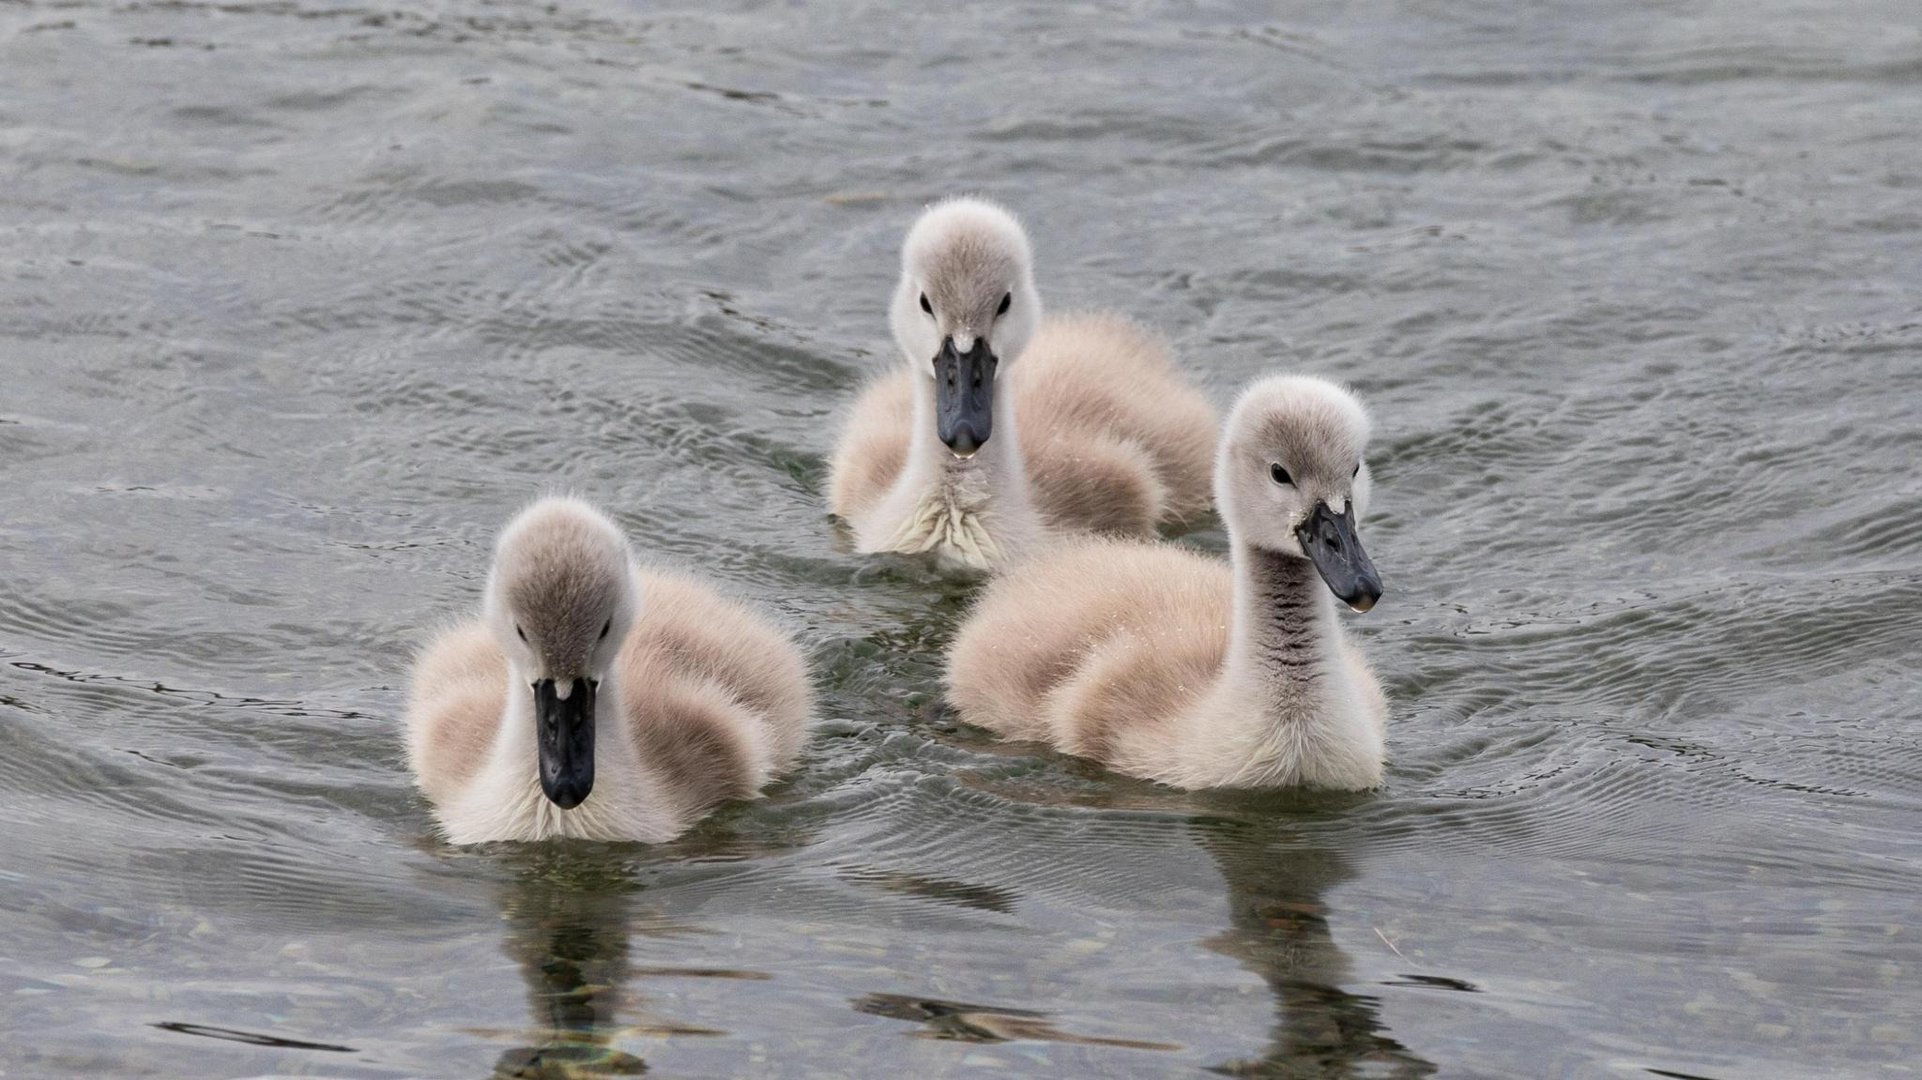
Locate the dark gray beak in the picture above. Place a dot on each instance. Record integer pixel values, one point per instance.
(565, 735)
(964, 396)
(1329, 540)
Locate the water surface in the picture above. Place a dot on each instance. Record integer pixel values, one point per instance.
(299, 300)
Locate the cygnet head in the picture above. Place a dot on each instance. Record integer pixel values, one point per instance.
(559, 601)
(1290, 478)
(966, 305)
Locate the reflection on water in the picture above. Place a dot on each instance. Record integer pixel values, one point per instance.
(1278, 907)
(566, 915)
(251, 1038)
(962, 1022)
(299, 301)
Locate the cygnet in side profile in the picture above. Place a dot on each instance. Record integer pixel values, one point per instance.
(1167, 664)
(595, 699)
(1001, 427)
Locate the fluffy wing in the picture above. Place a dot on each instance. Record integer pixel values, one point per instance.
(718, 697)
(454, 709)
(1091, 643)
(874, 446)
(1117, 440)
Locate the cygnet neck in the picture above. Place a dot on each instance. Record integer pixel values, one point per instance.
(995, 476)
(1284, 622)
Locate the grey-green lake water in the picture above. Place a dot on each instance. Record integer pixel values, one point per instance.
(300, 299)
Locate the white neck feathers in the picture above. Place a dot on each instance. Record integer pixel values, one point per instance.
(976, 512)
(1285, 710)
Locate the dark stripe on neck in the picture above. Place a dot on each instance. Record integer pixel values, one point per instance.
(1286, 639)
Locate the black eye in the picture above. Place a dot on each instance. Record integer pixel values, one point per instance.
(925, 306)
(521, 633)
(1280, 474)
(1357, 471)
(605, 627)
(1005, 301)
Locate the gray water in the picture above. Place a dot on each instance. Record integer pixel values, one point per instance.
(299, 300)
